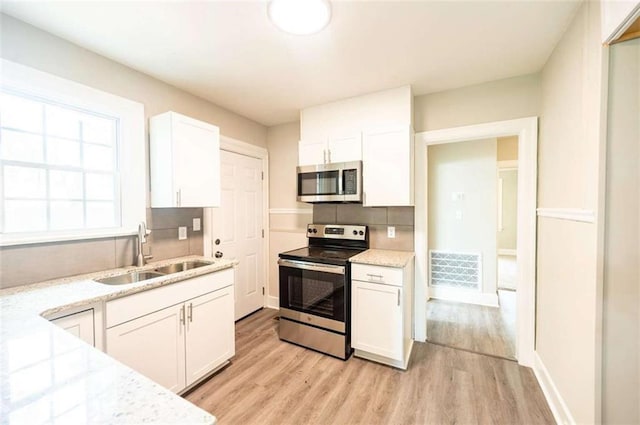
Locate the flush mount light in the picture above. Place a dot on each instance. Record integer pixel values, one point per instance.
(300, 17)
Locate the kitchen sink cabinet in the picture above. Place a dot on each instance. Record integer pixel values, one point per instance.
(79, 324)
(185, 162)
(387, 166)
(176, 334)
(337, 148)
(381, 313)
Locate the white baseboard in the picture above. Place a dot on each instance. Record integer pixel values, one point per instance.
(510, 252)
(558, 407)
(464, 296)
(273, 302)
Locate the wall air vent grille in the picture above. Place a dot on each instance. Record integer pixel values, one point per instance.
(455, 269)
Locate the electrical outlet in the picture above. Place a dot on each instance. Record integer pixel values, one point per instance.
(391, 232)
(182, 233)
(458, 214)
(196, 224)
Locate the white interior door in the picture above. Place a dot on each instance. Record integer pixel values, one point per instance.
(237, 226)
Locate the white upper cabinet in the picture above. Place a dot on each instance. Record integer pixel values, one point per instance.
(185, 162)
(617, 16)
(387, 167)
(335, 149)
(375, 128)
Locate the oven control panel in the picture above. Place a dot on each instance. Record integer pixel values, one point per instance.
(337, 231)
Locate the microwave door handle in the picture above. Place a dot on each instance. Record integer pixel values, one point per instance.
(340, 183)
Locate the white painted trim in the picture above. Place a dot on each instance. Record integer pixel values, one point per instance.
(561, 412)
(242, 148)
(623, 26)
(464, 296)
(572, 214)
(511, 252)
(527, 131)
(273, 302)
(291, 211)
(511, 165)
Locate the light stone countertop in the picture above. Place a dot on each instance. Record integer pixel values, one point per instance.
(383, 257)
(49, 376)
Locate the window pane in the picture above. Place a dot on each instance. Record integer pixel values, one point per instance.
(19, 146)
(65, 184)
(100, 214)
(63, 152)
(20, 113)
(66, 215)
(62, 122)
(98, 130)
(99, 186)
(24, 182)
(98, 158)
(25, 216)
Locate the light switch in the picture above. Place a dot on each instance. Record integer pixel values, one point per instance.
(182, 233)
(457, 196)
(196, 224)
(391, 232)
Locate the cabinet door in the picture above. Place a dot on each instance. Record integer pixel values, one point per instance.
(152, 345)
(387, 167)
(376, 319)
(311, 152)
(210, 332)
(345, 148)
(78, 324)
(196, 162)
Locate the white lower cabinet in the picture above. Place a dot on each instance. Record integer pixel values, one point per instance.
(207, 316)
(176, 345)
(78, 324)
(381, 313)
(153, 345)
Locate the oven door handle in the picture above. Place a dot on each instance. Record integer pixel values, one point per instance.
(324, 268)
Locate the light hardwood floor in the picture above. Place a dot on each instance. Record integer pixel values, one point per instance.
(274, 382)
(478, 328)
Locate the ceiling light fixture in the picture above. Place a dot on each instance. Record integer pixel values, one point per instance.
(300, 17)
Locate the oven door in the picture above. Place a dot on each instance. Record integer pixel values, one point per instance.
(313, 293)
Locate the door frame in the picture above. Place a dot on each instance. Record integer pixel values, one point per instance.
(230, 144)
(527, 131)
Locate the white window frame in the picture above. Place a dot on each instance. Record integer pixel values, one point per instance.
(131, 146)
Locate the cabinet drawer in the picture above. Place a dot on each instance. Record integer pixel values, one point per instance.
(376, 274)
(130, 307)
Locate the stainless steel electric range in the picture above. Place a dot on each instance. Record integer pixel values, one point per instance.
(315, 288)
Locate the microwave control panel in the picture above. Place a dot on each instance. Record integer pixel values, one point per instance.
(350, 182)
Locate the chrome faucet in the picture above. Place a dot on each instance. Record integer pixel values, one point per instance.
(142, 239)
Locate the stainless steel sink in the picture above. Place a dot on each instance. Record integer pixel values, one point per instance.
(130, 277)
(180, 267)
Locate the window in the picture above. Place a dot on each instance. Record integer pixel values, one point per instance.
(66, 152)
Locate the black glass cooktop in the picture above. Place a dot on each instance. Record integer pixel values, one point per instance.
(324, 254)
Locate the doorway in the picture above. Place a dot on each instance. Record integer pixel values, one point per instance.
(472, 202)
(526, 130)
(235, 230)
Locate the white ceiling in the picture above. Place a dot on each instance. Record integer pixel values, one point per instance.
(229, 53)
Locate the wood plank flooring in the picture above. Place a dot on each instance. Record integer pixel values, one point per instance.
(274, 382)
(478, 328)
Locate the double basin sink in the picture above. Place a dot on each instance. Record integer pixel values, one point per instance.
(139, 276)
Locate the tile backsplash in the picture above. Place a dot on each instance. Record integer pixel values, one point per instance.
(377, 218)
(24, 264)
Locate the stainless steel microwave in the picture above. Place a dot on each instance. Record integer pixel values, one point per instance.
(337, 182)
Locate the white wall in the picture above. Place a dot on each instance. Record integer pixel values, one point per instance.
(568, 314)
(468, 168)
(621, 315)
(507, 236)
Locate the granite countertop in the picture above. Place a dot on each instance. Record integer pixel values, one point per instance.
(383, 257)
(49, 376)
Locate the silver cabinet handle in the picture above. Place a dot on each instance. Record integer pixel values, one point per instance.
(190, 312)
(376, 276)
(324, 156)
(329, 155)
(398, 298)
(179, 197)
(182, 315)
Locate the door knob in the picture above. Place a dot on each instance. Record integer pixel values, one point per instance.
(219, 254)
(217, 242)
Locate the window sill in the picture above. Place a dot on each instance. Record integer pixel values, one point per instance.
(40, 239)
